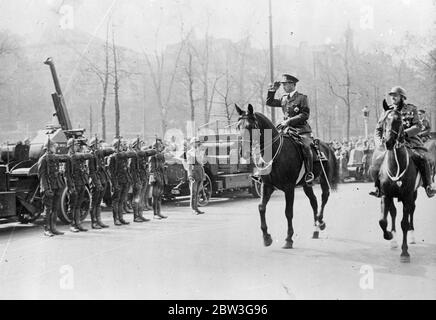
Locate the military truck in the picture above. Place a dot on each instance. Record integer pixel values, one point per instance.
(19, 185)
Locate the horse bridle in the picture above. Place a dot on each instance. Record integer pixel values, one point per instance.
(398, 145)
(262, 150)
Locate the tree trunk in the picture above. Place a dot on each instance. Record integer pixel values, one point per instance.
(116, 88)
(105, 87)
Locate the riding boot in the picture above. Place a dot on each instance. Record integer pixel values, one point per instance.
(376, 192)
(99, 222)
(308, 163)
(94, 222)
(424, 168)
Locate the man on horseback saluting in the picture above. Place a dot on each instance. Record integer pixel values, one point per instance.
(296, 114)
(412, 128)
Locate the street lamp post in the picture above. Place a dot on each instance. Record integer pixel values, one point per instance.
(365, 119)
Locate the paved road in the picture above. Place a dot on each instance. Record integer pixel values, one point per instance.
(221, 256)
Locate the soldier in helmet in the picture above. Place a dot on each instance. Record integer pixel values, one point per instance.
(157, 178)
(77, 179)
(98, 180)
(120, 179)
(412, 127)
(425, 127)
(195, 160)
(296, 114)
(51, 185)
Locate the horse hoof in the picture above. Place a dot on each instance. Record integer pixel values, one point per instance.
(322, 226)
(315, 235)
(413, 241)
(288, 245)
(267, 241)
(388, 235)
(405, 258)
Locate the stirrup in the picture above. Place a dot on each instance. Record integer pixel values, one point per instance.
(308, 179)
(430, 191)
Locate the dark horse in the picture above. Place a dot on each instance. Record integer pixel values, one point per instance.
(398, 179)
(285, 170)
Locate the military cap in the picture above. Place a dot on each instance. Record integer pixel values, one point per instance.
(288, 78)
(398, 90)
(194, 140)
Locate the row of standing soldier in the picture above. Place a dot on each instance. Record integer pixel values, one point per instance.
(119, 168)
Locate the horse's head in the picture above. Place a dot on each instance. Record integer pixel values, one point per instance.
(393, 129)
(247, 123)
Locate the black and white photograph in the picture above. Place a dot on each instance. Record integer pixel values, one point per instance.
(231, 150)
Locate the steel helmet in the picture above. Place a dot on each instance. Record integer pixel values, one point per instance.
(71, 142)
(398, 90)
(116, 143)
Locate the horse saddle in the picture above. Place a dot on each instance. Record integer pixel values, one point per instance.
(318, 155)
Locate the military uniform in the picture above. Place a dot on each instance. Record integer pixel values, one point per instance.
(121, 180)
(157, 182)
(143, 157)
(425, 130)
(296, 114)
(51, 186)
(77, 179)
(196, 175)
(99, 181)
(137, 186)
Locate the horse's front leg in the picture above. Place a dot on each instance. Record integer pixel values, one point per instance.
(267, 191)
(408, 209)
(314, 204)
(411, 225)
(393, 212)
(289, 195)
(324, 199)
(386, 204)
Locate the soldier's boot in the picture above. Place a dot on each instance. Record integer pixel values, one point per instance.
(308, 163)
(136, 217)
(141, 214)
(376, 192)
(158, 207)
(100, 223)
(55, 231)
(94, 221)
(127, 208)
(425, 170)
(121, 219)
(78, 222)
(48, 223)
(115, 214)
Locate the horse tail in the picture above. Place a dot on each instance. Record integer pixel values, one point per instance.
(334, 170)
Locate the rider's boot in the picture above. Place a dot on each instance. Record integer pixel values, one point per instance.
(424, 168)
(308, 163)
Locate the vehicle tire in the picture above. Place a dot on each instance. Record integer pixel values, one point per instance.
(206, 192)
(256, 190)
(65, 214)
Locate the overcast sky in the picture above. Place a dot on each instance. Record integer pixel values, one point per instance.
(312, 21)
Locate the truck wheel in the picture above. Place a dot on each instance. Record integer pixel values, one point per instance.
(65, 214)
(205, 192)
(256, 189)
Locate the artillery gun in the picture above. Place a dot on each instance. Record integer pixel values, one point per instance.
(19, 184)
